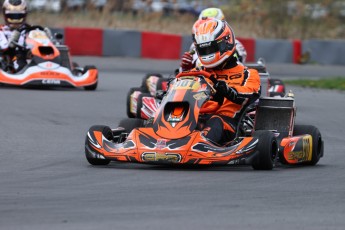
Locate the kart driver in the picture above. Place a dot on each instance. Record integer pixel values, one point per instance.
(236, 86)
(14, 12)
(189, 59)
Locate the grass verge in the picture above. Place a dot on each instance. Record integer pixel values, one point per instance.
(337, 83)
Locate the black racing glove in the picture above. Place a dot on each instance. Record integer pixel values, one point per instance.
(226, 91)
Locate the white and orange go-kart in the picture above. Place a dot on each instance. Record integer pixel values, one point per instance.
(49, 65)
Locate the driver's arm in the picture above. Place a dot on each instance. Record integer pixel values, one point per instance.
(4, 43)
(250, 86)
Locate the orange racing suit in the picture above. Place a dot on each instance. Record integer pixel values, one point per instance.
(221, 127)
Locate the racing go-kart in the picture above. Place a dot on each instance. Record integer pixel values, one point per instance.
(174, 135)
(49, 65)
(142, 102)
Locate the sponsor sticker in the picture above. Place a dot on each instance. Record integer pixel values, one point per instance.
(161, 157)
(193, 85)
(51, 82)
(206, 44)
(161, 144)
(199, 96)
(303, 153)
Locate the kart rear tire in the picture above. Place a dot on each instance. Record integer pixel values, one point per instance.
(107, 133)
(317, 142)
(267, 150)
(128, 102)
(131, 123)
(144, 86)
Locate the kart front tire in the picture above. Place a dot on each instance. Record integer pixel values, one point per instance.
(94, 161)
(107, 133)
(317, 142)
(91, 87)
(267, 150)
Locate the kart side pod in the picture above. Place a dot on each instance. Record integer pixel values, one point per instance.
(299, 144)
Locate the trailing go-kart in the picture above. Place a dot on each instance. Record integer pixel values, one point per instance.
(49, 65)
(174, 135)
(143, 101)
(273, 87)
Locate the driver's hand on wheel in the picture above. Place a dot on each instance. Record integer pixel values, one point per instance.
(226, 91)
(14, 38)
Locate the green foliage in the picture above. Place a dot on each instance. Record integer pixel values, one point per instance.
(337, 83)
(287, 19)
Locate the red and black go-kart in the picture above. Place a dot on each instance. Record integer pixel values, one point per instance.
(174, 135)
(49, 65)
(273, 87)
(142, 102)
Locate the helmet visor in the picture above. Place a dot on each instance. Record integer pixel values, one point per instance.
(209, 48)
(15, 18)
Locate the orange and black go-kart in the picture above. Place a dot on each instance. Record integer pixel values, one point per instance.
(49, 64)
(174, 135)
(143, 101)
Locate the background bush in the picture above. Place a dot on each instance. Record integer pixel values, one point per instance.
(323, 19)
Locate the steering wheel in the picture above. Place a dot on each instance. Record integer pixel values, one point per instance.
(194, 73)
(28, 29)
(209, 106)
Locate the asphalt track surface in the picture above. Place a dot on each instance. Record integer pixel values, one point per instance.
(46, 183)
